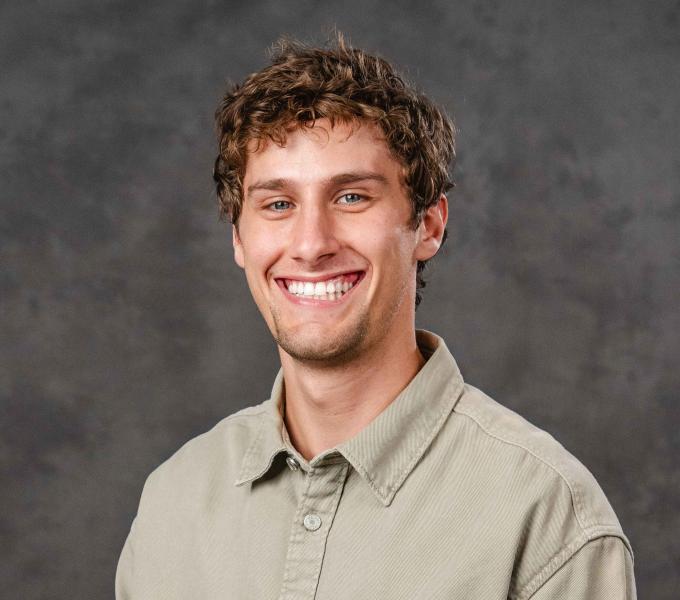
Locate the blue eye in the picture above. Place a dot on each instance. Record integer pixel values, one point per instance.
(350, 198)
(279, 205)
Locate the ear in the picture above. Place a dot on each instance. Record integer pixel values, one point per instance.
(431, 229)
(238, 247)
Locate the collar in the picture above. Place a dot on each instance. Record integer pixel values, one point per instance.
(386, 451)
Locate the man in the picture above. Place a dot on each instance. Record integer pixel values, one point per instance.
(373, 471)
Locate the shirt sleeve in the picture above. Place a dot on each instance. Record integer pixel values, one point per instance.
(600, 570)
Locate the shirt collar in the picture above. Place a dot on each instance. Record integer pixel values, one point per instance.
(390, 446)
(270, 440)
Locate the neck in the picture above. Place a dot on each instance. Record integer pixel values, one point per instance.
(327, 405)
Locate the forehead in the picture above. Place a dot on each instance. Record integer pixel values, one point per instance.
(321, 151)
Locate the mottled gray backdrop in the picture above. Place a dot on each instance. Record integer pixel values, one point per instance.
(126, 329)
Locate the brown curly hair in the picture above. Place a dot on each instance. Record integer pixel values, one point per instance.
(343, 84)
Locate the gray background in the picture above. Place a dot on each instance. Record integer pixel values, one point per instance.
(126, 329)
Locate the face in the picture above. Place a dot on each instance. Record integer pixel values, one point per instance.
(326, 241)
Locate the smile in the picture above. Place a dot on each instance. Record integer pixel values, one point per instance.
(329, 290)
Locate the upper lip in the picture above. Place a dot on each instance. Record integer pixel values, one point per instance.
(315, 278)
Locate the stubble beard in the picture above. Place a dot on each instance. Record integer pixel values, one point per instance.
(345, 346)
(329, 351)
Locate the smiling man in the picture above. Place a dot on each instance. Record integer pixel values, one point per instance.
(373, 471)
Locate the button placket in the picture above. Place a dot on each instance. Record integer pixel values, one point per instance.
(310, 529)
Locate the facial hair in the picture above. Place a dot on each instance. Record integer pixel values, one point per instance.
(345, 345)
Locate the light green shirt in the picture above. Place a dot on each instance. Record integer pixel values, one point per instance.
(445, 495)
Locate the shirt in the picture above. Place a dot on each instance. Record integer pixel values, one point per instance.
(445, 494)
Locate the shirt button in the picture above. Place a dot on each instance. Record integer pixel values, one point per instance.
(311, 522)
(292, 463)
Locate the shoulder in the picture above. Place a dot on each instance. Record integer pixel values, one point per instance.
(182, 497)
(536, 448)
(208, 460)
(553, 498)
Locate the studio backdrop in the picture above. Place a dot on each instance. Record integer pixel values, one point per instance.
(126, 328)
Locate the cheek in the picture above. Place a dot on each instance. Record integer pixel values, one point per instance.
(259, 256)
(259, 250)
(392, 250)
(401, 247)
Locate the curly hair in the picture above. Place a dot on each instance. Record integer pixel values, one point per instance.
(342, 84)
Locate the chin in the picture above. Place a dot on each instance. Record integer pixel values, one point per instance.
(334, 349)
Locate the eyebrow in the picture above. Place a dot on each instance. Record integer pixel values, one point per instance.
(340, 179)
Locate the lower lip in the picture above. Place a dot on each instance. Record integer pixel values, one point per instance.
(304, 301)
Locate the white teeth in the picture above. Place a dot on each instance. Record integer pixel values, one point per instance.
(320, 290)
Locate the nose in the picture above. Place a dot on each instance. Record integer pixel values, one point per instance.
(313, 237)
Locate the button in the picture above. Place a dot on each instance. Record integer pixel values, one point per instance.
(292, 463)
(312, 522)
